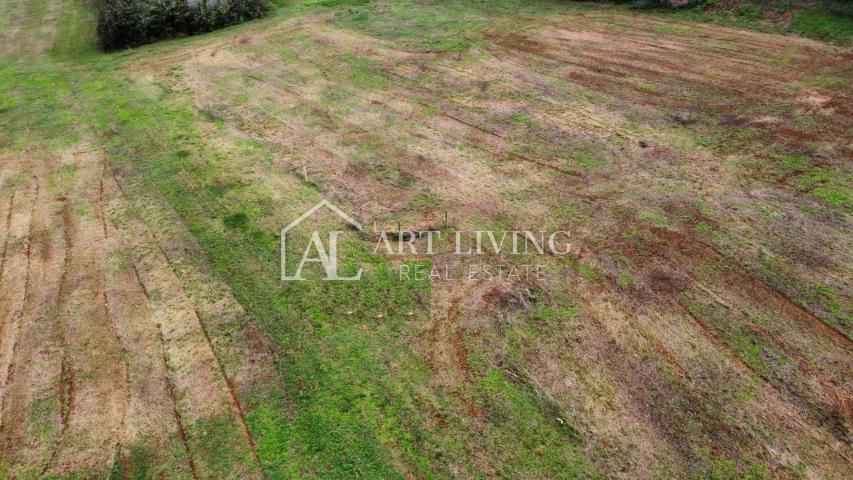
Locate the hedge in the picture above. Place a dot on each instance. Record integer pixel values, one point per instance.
(127, 23)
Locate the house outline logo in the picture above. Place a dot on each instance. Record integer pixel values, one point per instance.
(326, 257)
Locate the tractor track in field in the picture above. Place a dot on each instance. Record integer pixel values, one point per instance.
(757, 288)
(35, 363)
(66, 375)
(93, 326)
(18, 316)
(7, 225)
(234, 401)
(170, 386)
(125, 388)
(125, 384)
(100, 203)
(94, 370)
(805, 406)
(689, 250)
(179, 421)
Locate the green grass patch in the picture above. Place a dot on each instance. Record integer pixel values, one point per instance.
(435, 26)
(827, 21)
(752, 348)
(823, 25)
(540, 428)
(833, 306)
(75, 35)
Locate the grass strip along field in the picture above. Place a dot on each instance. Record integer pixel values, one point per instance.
(701, 328)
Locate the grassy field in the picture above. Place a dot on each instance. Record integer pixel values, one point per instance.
(701, 328)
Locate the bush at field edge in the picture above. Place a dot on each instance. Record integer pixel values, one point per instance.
(127, 23)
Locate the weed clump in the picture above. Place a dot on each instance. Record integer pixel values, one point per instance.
(127, 23)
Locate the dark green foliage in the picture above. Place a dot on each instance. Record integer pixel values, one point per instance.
(335, 3)
(127, 23)
(238, 220)
(139, 462)
(645, 3)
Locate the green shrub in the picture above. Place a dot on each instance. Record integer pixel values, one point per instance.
(127, 23)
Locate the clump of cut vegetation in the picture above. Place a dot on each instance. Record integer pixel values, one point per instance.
(127, 23)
